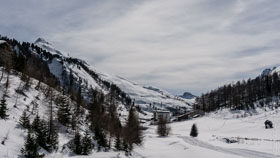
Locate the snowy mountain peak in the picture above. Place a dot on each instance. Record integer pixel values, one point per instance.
(270, 71)
(188, 95)
(41, 42)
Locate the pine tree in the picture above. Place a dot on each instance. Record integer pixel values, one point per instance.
(87, 144)
(73, 122)
(132, 132)
(31, 147)
(24, 120)
(40, 129)
(79, 101)
(100, 137)
(63, 113)
(118, 142)
(3, 108)
(125, 147)
(194, 131)
(52, 138)
(77, 144)
(36, 124)
(52, 135)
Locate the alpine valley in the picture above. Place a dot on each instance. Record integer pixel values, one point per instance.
(53, 105)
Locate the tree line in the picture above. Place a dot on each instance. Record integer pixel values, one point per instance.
(242, 94)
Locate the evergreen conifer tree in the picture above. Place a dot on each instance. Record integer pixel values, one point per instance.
(132, 132)
(100, 137)
(118, 142)
(24, 120)
(52, 139)
(63, 113)
(194, 131)
(77, 144)
(31, 147)
(40, 129)
(125, 147)
(3, 108)
(87, 144)
(73, 122)
(52, 135)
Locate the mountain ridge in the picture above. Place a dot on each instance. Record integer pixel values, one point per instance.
(145, 96)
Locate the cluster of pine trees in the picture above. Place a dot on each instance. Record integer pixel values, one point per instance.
(241, 95)
(41, 134)
(108, 131)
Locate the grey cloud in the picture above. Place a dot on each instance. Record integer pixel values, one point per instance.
(177, 45)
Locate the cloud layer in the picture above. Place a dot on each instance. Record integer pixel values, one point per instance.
(178, 45)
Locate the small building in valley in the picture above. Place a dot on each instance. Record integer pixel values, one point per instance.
(162, 114)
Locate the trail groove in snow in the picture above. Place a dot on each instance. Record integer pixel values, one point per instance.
(240, 152)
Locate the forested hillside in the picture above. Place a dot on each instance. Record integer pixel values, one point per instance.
(52, 117)
(243, 94)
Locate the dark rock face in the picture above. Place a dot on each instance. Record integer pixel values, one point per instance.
(188, 95)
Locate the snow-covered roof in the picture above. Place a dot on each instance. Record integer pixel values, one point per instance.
(2, 41)
(161, 111)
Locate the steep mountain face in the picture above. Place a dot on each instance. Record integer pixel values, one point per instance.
(188, 95)
(76, 73)
(47, 46)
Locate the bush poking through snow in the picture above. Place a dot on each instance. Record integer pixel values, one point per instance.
(163, 129)
(194, 131)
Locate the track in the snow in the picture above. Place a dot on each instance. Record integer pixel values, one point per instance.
(240, 152)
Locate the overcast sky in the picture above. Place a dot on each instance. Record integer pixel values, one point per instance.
(177, 45)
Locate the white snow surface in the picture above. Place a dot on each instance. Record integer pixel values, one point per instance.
(247, 128)
(277, 69)
(2, 41)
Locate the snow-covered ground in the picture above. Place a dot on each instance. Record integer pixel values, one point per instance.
(2, 41)
(252, 139)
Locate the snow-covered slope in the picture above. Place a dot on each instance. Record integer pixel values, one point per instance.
(89, 78)
(2, 41)
(270, 71)
(146, 95)
(33, 100)
(240, 135)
